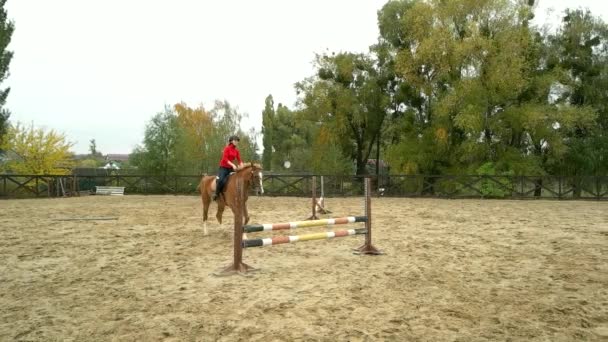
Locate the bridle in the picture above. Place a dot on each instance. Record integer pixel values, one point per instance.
(257, 179)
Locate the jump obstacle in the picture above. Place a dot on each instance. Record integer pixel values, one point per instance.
(238, 266)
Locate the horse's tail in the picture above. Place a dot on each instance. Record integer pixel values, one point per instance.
(200, 184)
(203, 184)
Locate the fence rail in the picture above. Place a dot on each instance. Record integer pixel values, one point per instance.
(447, 186)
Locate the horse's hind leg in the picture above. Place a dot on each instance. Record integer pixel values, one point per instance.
(206, 203)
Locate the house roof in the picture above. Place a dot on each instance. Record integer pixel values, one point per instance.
(117, 157)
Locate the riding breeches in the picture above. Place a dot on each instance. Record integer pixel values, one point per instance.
(222, 177)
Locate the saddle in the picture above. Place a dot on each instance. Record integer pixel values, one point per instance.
(227, 178)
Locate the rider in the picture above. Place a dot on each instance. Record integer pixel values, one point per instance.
(227, 164)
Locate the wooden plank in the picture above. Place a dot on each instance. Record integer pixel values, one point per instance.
(87, 219)
(110, 190)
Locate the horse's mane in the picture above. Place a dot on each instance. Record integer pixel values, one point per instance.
(249, 166)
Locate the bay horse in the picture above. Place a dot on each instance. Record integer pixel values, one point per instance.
(250, 173)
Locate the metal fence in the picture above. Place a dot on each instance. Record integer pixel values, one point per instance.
(465, 186)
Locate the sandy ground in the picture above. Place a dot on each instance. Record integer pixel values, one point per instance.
(454, 270)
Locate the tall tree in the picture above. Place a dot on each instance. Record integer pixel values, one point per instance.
(580, 47)
(482, 90)
(348, 95)
(93, 147)
(268, 117)
(195, 127)
(6, 31)
(579, 51)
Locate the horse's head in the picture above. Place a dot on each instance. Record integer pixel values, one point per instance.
(253, 172)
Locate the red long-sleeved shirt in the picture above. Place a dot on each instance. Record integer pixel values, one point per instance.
(230, 154)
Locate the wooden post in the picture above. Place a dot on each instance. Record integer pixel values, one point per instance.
(314, 199)
(237, 267)
(368, 248)
(321, 201)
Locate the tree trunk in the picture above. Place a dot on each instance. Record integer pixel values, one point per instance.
(361, 166)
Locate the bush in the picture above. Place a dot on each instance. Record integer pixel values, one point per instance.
(496, 186)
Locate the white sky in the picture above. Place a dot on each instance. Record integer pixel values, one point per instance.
(100, 69)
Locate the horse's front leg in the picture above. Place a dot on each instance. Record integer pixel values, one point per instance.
(220, 210)
(245, 213)
(245, 218)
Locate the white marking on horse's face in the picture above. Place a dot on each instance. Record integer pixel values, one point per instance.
(261, 182)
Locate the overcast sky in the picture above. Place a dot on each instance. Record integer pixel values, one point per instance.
(100, 69)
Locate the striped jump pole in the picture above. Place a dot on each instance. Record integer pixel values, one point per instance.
(300, 224)
(277, 240)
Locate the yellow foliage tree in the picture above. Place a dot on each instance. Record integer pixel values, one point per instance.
(196, 124)
(34, 151)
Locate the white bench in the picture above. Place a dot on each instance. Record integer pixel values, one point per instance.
(110, 190)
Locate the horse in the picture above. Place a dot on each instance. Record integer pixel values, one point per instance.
(250, 173)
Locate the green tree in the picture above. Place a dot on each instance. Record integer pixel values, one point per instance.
(483, 90)
(93, 159)
(291, 140)
(579, 51)
(268, 117)
(326, 154)
(157, 155)
(6, 31)
(93, 148)
(184, 140)
(347, 95)
(580, 48)
(88, 163)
